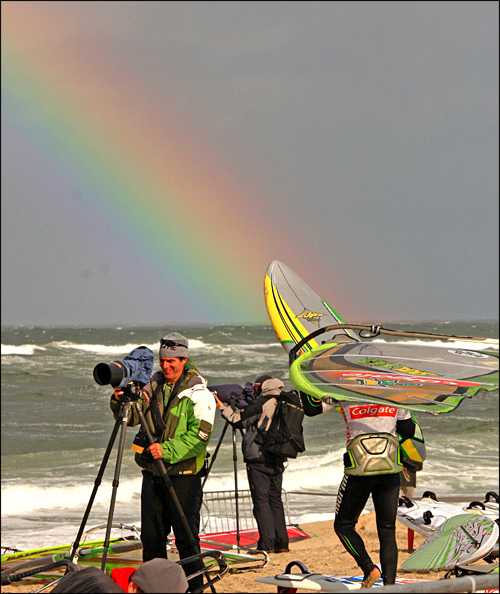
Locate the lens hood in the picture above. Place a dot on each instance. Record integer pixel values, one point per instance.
(108, 373)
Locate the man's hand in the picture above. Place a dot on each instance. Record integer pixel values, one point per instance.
(218, 402)
(155, 450)
(118, 393)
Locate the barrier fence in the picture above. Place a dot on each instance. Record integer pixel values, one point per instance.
(218, 512)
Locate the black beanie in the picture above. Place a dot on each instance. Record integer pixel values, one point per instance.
(257, 386)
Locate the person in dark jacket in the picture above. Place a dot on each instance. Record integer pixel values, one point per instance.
(264, 470)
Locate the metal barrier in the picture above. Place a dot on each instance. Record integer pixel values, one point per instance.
(218, 511)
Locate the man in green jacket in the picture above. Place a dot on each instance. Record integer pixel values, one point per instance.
(179, 411)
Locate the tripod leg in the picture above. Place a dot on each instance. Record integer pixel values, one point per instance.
(214, 455)
(161, 466)
(236, 502)
(167, 480)
(97, 482)
(123, 416)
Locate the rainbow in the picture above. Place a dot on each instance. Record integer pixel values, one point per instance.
(153, 180)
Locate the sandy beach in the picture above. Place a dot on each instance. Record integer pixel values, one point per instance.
(321, 553)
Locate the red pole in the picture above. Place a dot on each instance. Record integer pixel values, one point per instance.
(411, 534)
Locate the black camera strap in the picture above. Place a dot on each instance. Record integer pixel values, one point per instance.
(155, 409)
(175, 391)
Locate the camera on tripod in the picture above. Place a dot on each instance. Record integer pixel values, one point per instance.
(130, 374)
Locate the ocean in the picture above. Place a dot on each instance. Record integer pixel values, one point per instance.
(56, 424)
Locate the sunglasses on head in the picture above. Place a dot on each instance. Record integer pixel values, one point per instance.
(171, 343)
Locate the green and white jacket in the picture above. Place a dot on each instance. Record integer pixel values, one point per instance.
(188, 420)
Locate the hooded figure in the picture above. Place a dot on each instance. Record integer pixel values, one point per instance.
(264, 470)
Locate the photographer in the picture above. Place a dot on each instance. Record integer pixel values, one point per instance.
(179, 411)
(264, 470)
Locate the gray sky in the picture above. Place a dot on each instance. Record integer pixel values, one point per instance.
(356, 142)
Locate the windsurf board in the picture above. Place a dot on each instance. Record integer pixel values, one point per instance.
(320, 582)
(461, 539)
(492, 501)
(474, 569)
(296, 310)
(426, 514)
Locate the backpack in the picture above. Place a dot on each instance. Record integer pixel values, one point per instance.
(285, 435)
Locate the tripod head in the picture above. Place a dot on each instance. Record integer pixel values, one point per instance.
(131, 392)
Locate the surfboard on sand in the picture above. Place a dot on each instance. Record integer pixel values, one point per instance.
(461, 539)
(426, 514)
(320, 582)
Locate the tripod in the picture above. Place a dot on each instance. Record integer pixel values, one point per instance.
(235, 466)
(122, 421)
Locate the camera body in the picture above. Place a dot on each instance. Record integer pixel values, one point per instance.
(130, 374)
(131, 392)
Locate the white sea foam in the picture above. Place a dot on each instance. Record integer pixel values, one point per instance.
(114, 349)
(455, 344)
(225, 482)
(305, 472)
(318, 472)
(22, 500)
(257, 347)
(95, 348)
(309, 518)
(313, 517)
(196, 344)
(24, 349)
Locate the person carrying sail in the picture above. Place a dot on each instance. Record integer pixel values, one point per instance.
(372, 464)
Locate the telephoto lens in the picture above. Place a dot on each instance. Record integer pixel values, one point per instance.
(109, 373)
(137, 367)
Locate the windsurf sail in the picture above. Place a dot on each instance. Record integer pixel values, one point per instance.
(44, 562)
(373, 330)
(420, 378)
(18, 556)
(248, 537)
(43, 566)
